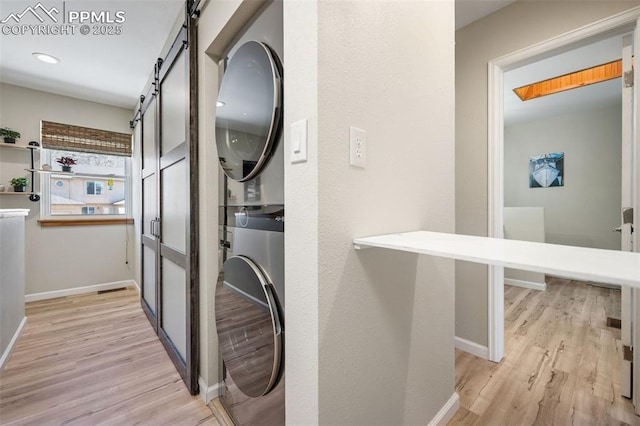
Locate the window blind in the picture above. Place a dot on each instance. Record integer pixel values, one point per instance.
(84, 139)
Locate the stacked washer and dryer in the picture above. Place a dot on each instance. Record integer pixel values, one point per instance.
(249, 297)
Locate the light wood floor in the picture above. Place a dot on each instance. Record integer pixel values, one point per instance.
(562, 363)
(94, 359)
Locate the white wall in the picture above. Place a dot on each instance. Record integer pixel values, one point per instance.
(384, 322)
(60, 258)
(515, 27)
(585, 210)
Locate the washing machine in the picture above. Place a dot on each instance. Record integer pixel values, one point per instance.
(249, 296)
(250, 315)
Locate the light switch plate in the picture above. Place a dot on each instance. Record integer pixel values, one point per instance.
(299, 141)
(357, 147)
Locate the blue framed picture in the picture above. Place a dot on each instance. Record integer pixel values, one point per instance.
(546, 170)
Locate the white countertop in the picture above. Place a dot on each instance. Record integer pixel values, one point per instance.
(13, 212)
(586, 264)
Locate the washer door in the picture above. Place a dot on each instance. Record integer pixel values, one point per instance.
(248, 324)
(248, 111)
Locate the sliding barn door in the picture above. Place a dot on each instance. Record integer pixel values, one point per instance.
(150, 220)
(169, 207)
(175, 196)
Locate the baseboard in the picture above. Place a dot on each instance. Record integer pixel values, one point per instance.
(78, 290)
(472, 347)
(135, 283)
(447, 411)
(209, 393)
(12, 344)
(220, 412)
(526, 284)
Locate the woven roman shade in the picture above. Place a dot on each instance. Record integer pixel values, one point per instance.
(84, 139)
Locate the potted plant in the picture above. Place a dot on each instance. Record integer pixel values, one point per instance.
(66, 162)
(19, 184)
(9, 135)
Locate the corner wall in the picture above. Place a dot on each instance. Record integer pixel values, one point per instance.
(508, 30)
(62, 258)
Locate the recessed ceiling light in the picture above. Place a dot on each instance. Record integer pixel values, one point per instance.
(220, 104)
(46, 58)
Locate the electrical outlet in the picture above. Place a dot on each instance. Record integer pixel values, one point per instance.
(357, 147)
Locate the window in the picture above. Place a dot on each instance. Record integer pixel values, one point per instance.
(98, 183)
(95, 188)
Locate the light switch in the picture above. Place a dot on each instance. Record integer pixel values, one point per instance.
(299, 141)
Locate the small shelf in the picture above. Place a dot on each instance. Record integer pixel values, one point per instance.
(586, 264)
(12, 146)
(31, 147)
(57, 172)
(17, 193)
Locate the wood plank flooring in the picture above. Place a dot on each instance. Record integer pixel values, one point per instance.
(94, 359)
(562, 363)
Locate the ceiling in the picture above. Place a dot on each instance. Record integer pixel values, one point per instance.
(111, 69)
(468, 11)
(586, 56)
(583, 98)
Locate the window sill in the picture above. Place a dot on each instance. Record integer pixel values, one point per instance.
(45, 223)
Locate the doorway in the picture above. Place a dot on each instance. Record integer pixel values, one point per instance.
(617, 25)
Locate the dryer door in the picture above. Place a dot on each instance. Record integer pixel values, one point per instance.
(249, 328)
(248, 111)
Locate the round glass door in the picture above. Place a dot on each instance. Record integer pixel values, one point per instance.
(248, 111)
(248, 325)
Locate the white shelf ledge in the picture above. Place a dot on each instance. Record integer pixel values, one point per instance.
(57, 172)
(580, 263)
(17, 193)
(15, 146)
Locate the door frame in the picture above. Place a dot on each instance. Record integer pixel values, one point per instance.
(620, 23)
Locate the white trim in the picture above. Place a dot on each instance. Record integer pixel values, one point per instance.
(447, 411)
(619, 23)
(11, 346)
(495, 291)
(471, 347)
(135, 283)
(526, 284)
(209, 393)
(78, 290)
(623, 22)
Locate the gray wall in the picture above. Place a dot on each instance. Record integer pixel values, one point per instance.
(515, 27)
(584, 210)
(67, 257)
